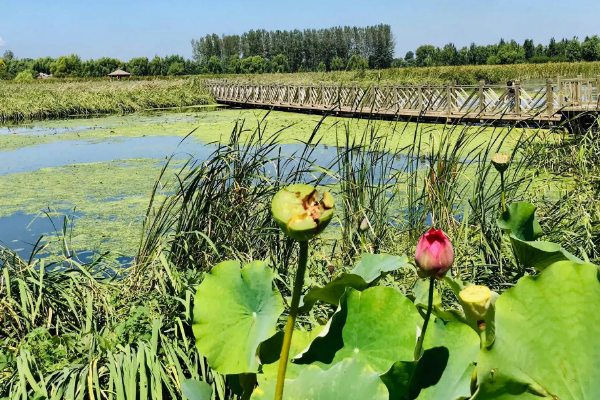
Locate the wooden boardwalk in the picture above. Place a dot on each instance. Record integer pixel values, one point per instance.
(548, 102)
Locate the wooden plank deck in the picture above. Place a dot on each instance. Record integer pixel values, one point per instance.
(495, 103)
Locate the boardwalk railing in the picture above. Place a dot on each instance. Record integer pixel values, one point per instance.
(486, 102)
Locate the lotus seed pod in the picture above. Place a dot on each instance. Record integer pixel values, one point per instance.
(434, 255)
(476, 301)
(501, 161)
(300, 213)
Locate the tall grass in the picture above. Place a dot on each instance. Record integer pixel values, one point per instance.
(58, 98)
(462, 75)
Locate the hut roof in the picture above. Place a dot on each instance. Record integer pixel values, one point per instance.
(119, 72)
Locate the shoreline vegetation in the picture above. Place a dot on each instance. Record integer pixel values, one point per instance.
(70, 97)
(59, 99)
(461, 75)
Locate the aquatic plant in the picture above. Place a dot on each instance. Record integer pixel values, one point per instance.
(52, 99)
(367, 348)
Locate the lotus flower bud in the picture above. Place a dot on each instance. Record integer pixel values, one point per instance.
(300, 213)
(501, 161)
(476, 301)
(434, 255)
(364, 225)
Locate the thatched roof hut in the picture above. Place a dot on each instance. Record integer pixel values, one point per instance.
(119, 74)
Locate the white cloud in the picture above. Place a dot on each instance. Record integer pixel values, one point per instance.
(1, 42)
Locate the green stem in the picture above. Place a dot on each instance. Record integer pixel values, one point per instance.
(289, 328)
(502, 183)
(419, 348)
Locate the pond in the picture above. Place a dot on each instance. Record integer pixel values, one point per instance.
(98, 172)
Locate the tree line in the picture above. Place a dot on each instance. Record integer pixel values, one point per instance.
(73, 66)
(335, 48)
(505, 52)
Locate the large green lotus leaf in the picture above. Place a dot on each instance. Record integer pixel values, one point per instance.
(323, 348)
(547, 331)
(406, 379)
(445, 369)
(520, 223)
(372, 266)
(366, 273)
(347, 380)
(333, 291)
(380, 329)
(519, 219)
(234, 311)
(300, 341)
(399, 380)
(540, 255)
(196, 390)
(463, 347)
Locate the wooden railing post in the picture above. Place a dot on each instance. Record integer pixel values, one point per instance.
(598, 89)
(420, 97)
(549, 98)
(517, 87)
(579, 89)
(559, 91)
(449, 99)
(481, 96)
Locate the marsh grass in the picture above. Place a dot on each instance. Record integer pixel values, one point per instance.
(88, 330)
(57, 98)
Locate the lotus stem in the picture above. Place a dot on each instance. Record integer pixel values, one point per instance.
(291, 321)
(419, 348)
(502, 184)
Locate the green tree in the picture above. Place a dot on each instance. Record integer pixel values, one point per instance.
(139, 66)
(214, 65)
(176, 68)
(280, 64)
(66, 66)
(399, 63)
(155, 67)
(337, 64)
(590, 49)
(573, 51)
(253, 65)
(425, 56)
(234, 65)
(529, 49)
(357, 63)
(25, 76)
(8, 56)
(321, 67)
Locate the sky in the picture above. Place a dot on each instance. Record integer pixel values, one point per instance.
(131, 28)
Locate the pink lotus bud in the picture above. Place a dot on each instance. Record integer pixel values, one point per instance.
(434, 255)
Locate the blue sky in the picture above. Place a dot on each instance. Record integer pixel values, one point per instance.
(130, 28)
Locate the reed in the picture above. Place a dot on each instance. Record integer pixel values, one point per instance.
(57, 98)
